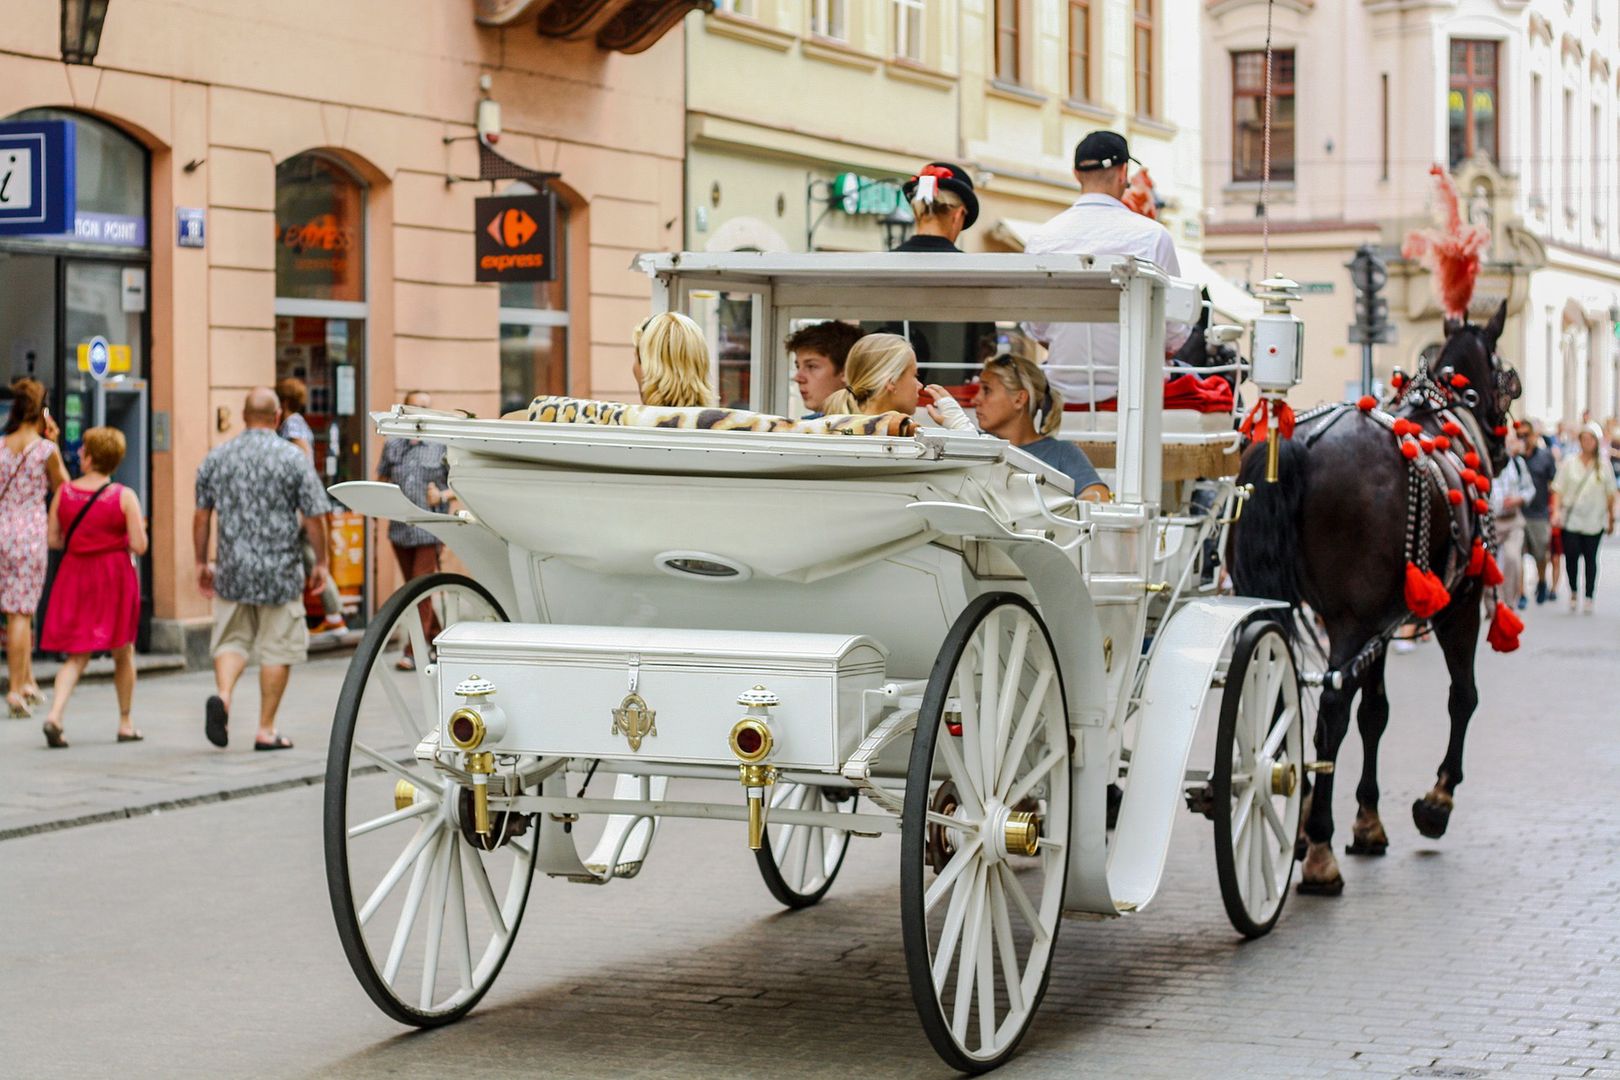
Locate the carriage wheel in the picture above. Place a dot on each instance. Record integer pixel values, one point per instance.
(799, 862)
(982, 869)
(1259, 761)
(426, 914)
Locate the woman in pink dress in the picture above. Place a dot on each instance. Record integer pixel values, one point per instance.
(95, 602)
(30, 468)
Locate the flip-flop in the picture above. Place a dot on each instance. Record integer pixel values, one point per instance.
(280, 742)
(215, 720)
(134, 736)
(53, 735)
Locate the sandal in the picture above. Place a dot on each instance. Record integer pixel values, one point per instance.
(215, 717)
(133, 736)
(280, 742)
(53, 735)
(17, 707)
(34, 696)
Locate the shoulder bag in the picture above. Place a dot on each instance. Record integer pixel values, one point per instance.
(67, 538)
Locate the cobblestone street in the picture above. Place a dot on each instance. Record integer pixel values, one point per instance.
(199, 942)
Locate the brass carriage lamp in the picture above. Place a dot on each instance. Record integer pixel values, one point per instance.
(752, 741)
(1276, 356)
(477, 721)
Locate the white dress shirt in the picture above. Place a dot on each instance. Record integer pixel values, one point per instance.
(1083, 358)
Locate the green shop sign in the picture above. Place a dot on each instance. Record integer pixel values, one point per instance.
(856, 194)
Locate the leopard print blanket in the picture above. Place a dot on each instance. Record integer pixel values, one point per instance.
(567, 410)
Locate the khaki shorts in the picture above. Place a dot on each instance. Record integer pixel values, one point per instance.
(272, 633)
(1538, 537)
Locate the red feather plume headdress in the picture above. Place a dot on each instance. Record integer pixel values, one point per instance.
(1452, 251)
(1139, 195)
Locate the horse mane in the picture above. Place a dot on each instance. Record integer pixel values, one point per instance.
(1452, 251)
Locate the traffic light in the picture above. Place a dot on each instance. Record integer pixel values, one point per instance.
(1369, 275)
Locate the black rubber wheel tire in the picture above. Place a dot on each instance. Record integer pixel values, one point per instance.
(1248, 640)
(914, 862)
(337, 777)
(784, 893)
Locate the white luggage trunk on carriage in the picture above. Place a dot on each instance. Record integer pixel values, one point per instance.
(857, 634)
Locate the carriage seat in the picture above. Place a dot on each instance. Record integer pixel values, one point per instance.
(555, 409)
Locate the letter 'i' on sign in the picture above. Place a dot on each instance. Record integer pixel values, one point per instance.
(514, 238)
(36, 178)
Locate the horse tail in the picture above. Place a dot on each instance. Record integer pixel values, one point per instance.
(1264, 550)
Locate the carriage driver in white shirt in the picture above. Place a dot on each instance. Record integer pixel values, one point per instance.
(1083, 358)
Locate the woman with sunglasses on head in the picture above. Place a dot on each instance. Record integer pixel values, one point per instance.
(1016, 403)
(880, 375)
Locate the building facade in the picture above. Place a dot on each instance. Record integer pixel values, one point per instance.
(316, 153)
(1517, 98)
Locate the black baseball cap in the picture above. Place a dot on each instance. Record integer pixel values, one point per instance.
(1102, 150)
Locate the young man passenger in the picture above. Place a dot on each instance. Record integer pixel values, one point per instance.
(819, 352)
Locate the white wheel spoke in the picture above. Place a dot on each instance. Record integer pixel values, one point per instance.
(419, 648)
(1007, 698)
(1273, 820)
(480, 879)
(407, 917)
(1243, 729)
(413, 810)
(423, 836)
(1026, 910)
(968, 963)
(1257, 842)
(1007, 946)
(458, 911)
(1026, 727)
(968, 855)
(806, 843)
(1268, 870)
(951, 930)
(943, 820)
(1242, 837)
(967, 747)
(1034, 776)
(984, 731)
(1275, 737)
(440, 885)
(1240, 816)
(961, 779)
(424, 786)
(985, 965)
(403, 711)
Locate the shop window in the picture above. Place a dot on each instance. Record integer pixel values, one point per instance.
(908, 29)
(534, 326)
(1249, 114)
(321, 335)
(1079, 50)
(1142, 35)
(827, 19)
(1009, 68)
(1471, 101)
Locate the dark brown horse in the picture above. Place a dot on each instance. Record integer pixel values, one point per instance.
(1332, 533)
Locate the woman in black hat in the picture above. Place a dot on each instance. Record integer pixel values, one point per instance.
(943, 202)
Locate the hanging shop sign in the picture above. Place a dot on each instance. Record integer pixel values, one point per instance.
(516, 238)
(36, 177)
(856, 194)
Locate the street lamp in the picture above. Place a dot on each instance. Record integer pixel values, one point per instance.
(81, 30)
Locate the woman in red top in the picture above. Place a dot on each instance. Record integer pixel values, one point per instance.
(95, 602)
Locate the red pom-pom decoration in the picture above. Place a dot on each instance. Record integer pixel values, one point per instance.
(1410, 449)
(1367, 403)
(1500, 431)
(1425, 593)
(1476, 559)
(1491, 573)
(1455, 497)
(1442, 443)
(1469, 476)
(1505, 629)
(1452, 428)
(1427, 444)
(1483, 483)
(1397, 380)
(1471, 460)
(1460, 382)
(1481, 507)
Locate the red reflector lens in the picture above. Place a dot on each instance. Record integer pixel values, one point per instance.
(749, 741)
(461, 729)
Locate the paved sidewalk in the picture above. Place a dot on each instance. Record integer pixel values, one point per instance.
(97, 778)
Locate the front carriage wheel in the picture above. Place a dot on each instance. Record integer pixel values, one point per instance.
(1257, 779)
(984, 834)
(799, 862)
(426, 952)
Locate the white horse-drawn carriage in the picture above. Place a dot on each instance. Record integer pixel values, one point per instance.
(844, 635)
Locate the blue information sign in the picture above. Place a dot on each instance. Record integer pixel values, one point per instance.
(100, 358)
(36, 177)
(190, 223)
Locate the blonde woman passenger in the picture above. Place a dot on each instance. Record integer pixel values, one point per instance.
(672, 362)
(880, 375)
(1016, 403)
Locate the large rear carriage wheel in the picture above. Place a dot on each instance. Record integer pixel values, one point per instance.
(1257, 779)
(985, 831)
(426, 908)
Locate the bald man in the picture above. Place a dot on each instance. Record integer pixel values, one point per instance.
(258, 484)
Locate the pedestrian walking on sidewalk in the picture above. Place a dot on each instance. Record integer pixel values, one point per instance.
(1539, 462)
(295, 429)
(423, 477)
(95, 600)
(257, 484)
(30, 469)
(1583, 495)
(1511, 492)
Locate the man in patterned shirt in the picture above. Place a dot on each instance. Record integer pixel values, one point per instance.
(258, 483)
(420, 470)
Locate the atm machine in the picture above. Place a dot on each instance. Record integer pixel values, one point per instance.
(122, 402)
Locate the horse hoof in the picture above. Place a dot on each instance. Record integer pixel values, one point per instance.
(1301, 846)
(1431, 818)
(1332, 887)
(1366, 847)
